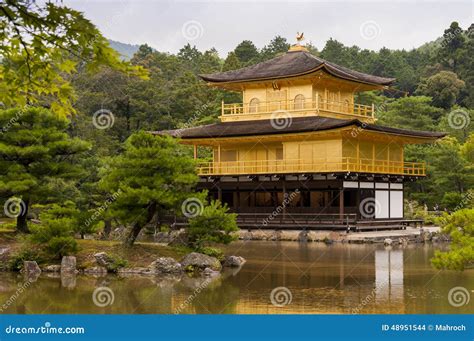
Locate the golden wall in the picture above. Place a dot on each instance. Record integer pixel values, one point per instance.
(311, 92)
(331, 150)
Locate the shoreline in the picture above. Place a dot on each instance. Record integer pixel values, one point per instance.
(410, 235)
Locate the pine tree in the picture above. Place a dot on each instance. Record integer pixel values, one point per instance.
(35, 150)
(154, 176)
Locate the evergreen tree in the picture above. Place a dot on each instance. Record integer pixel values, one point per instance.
(277, 45)
(451, 46)
(56, 230)
(460, 226)
(232, 62)
(246, 52)
(444, 89)
(35, 149)
(212, 225)
(414, 113)
(154, 176)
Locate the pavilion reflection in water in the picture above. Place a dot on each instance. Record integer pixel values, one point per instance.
(389, 276)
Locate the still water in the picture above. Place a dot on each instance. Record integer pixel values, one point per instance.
(305, 278)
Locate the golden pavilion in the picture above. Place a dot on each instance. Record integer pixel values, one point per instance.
(299, 144)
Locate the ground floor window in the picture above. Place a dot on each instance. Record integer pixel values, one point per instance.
(301, 198)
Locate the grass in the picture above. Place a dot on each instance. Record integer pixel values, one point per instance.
(140, 255)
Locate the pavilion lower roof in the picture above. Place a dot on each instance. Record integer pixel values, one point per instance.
(292, 64)
(296, 125)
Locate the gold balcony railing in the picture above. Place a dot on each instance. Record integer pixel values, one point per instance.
(328, 165)
(338, 107)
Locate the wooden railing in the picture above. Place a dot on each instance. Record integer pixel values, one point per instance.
(328, 165)
(339, 107)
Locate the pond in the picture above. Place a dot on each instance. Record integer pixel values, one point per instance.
(278, 278)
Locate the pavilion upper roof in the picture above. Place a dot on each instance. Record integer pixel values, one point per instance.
(298, 125)
(292, 64)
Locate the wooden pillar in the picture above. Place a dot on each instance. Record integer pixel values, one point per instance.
(284, 196)
(219, 167)
(388, 158)
(358, 156)
(373, 157)
(236, 198)
(195, 152)
(358, 203)
(219, 192)
(341, 203)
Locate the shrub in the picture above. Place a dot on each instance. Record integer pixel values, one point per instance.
(460, 226)
(213, 252)
(56, 230)
(116, 263)
(413, 210)
(213, 225)
(451, 200)
(16, 261)
(61, 246)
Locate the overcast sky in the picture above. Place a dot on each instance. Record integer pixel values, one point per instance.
(168, 25)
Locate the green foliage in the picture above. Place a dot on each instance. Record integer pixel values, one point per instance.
(451, 200)
(444, 89)
(458, 123)
(212, 251)
(213, 225)
(449, 170)
(87, 222)
(460, 227)
(42, 46)
(277, 45)
(246, 52)
(415, 113)
(15, 262)
(154, 174)
(413, 210)
(449, 167)
(231, 62)
(61, 246)
(35, 152)
(56, 230)
(116, 262)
